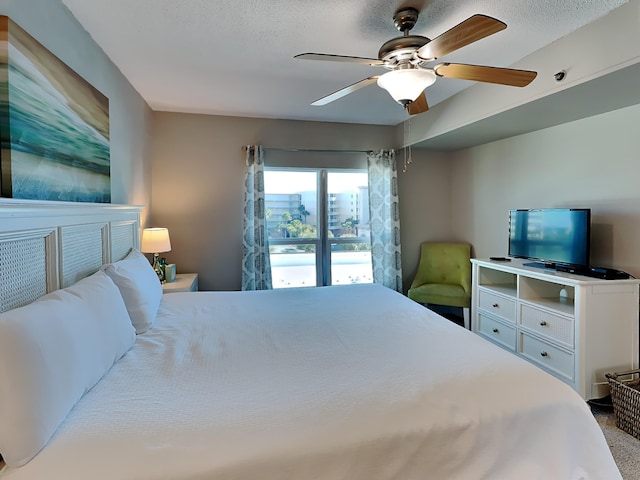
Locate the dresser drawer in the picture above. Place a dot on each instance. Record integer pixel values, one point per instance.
(498, 305)
(548, 356)
(497, 331)
(549, 324)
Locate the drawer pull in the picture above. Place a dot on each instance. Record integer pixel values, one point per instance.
(544, 354)
(495, 305)
(495, 330)
(543, 323)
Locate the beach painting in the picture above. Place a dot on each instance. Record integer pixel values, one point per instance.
(54, 126)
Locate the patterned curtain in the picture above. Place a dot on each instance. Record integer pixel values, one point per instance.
(256, 266)
(385, 219)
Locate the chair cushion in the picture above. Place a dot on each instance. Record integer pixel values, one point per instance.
(444, 275)
(441, 294)
(444, 263)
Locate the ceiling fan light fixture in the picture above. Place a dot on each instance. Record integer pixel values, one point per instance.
(406, 85)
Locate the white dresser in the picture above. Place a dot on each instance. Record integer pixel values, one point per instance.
(576, 328)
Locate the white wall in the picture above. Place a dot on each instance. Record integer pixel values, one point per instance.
(589, 163)
(130, 119)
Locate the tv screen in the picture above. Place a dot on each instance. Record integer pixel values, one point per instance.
(553, 235)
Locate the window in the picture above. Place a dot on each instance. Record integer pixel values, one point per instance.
(318, 224)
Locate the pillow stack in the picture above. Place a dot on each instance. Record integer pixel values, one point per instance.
(139, 286)
(52, 352)
(57, 348)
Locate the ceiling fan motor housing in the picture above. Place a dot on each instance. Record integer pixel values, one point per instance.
(401, 48)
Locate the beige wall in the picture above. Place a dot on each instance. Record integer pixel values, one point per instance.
(49, 22)
(464, 195)
(198, 171)
(589, 163)
(425, 205)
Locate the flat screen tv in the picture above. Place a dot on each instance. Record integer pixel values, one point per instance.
(555, 237)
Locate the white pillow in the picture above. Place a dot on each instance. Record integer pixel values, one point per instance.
(139, 286)
(52, 352)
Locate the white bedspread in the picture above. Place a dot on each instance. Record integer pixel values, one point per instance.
(347, 383)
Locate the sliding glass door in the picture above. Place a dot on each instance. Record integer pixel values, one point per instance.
(318, 223)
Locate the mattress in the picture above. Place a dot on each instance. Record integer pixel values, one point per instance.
(350, 382)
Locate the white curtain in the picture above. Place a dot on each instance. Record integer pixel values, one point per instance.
(385, 219)
(256, 266)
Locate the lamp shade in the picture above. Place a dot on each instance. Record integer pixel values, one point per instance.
(155, 240)
(406, 85)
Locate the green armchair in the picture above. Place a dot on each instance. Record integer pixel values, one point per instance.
(444, 276)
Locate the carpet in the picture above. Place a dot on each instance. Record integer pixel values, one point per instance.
(624, 447)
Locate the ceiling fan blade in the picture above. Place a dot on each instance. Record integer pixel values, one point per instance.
(345, 91)
(479, 73)
(419, 105)
(340, 58)
(471, 30)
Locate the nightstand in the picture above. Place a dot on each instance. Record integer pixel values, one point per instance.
(185, 282)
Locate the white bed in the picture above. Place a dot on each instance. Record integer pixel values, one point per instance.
(353, 382)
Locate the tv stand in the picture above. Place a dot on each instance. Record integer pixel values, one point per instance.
(574, 327)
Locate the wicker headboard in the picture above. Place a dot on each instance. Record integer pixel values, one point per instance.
(49, 245)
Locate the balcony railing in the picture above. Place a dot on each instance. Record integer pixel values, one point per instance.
(290, 268)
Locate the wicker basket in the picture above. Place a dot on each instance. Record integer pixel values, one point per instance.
(625, 396)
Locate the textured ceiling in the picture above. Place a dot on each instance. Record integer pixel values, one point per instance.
(236, 57)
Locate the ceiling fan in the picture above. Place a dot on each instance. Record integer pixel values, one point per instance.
(407, 57)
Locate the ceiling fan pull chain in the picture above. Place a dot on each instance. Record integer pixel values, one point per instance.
(408, 141)
(408, 160)
(404, 134)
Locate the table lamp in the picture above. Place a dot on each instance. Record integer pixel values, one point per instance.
(156, 241)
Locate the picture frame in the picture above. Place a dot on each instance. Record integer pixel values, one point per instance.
(54, 125)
